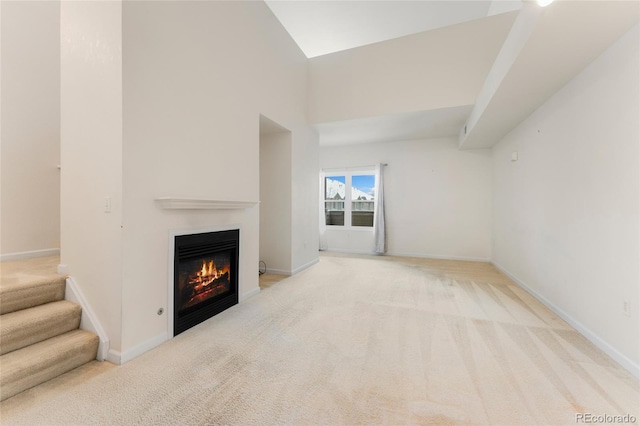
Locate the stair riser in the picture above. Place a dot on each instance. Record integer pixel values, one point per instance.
(49, 361)
(16, 298)
(18, 330)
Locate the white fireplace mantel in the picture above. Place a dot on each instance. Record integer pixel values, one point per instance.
(174, 203)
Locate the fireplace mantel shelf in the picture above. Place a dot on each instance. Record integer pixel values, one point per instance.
(173, 203)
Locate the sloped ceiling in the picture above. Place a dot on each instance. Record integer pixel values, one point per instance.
(543, 50)
(321, 27)
(435, 123)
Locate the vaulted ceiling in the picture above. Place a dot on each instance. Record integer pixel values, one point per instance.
(322, 27)
(541, 51)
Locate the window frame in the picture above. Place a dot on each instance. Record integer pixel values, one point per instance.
(348, 199)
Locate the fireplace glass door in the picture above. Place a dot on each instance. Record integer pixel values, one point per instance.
(205, 276)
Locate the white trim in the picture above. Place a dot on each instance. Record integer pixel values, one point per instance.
(440, 257)
(279, 272)
(88, 320)
(295, 271)
(349, 228)
(114, 356)
(62, 269)
(117, 357)
(29, 254)
(348, 197)
(348, 251)
(330, 170)
(202, 204)
(419, 255)
(603, 345)
(143, 347)
(249, 294)
(305, 266)
(173, 233)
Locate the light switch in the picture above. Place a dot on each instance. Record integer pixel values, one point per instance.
(514, 156)
(107, 204)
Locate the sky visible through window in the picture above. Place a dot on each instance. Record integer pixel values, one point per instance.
(365, 183)
(362, 187)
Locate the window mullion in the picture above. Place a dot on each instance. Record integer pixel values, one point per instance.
(347, 201)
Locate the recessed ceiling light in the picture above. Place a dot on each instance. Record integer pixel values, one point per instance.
(543, 3)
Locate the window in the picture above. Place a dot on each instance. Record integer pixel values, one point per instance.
(349, 199)
(334, 196)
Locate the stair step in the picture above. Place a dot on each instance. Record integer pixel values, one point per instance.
(28, 326)
(20, 295)
(27, 367)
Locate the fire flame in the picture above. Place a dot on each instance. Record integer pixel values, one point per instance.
(208, 280)
(207, 273)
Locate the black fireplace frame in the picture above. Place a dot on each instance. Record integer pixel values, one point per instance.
(193, 246)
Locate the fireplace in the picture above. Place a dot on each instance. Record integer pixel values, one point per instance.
(205, 279)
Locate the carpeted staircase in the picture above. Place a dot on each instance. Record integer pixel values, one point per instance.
(39, 335)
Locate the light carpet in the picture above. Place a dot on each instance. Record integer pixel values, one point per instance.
(360, 340)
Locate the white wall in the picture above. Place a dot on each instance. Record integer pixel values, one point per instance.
(275, 201)
(304, 199)
(91, 155)
(436, 69)
(437, 198)
(197, 76)
(566, 214)
(30, 135)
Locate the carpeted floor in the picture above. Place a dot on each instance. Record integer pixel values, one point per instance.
(16, 272)
(358, 340)
(268, 280)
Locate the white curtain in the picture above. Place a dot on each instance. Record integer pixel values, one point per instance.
(379, 231)
(322, 224)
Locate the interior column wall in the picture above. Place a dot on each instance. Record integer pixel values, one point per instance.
(91, 155)
(275, 202)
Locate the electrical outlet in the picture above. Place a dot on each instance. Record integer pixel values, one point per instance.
(107, 205)
(626, 308)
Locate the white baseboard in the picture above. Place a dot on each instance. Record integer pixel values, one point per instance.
(305, 266)
(29, 254)
(440, 257)
(249, 294)
(294, 271)
(334, 250)
(418, 255)
(602, 344)
(278, 271)
(118, 357)
(88, 320)
(113, 357)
